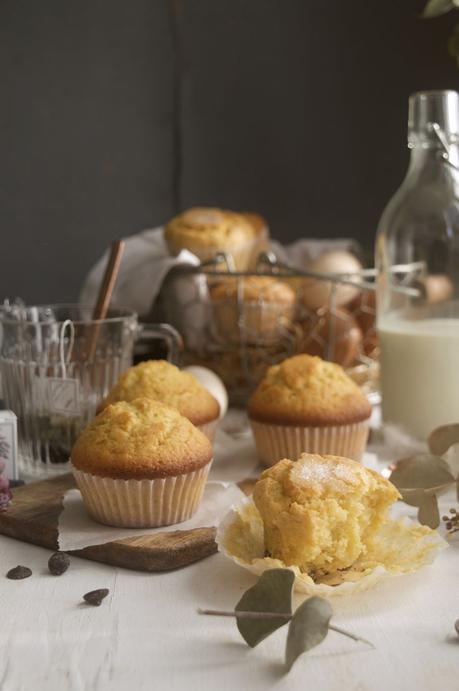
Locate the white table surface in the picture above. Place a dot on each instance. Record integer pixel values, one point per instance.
(147, 634)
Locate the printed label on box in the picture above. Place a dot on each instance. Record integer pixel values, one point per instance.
(56, 395)
(64, 396)
(8, 443)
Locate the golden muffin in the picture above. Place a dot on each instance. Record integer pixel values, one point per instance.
(261, 235)
(321, 512)
(161, 381)
(306, 404)
(206, 231)
(253, 309)
(141, 464)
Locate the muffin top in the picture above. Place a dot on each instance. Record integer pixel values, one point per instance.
(161, 381)
(208, 226)
(306, 390)
(141, 439)
(253, 289)
(321, 512)
(257, 221)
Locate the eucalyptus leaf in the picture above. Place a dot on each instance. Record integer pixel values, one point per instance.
(423, 471)
(272, 593)
(442, 438)
(435, 8)
(451, 458)
(428, 513)
(308, 628)
(413, 497)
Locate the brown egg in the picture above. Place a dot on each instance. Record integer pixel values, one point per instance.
(438, 288)
(345, 332)
(363, 309)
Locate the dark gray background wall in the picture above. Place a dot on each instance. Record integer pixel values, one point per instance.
(114, 115)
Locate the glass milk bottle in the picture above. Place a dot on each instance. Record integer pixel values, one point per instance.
(417, 257)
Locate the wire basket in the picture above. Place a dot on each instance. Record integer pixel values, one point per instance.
(238, 326)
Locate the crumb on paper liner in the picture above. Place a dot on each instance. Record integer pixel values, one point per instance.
(400, 547)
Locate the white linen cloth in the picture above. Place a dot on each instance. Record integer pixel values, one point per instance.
(147, 633)
(301, 252)
(146, 262)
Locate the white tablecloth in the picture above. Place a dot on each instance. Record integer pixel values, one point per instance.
(148, 635)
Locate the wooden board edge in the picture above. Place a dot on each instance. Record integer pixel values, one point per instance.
(22, 532)
(151, 559)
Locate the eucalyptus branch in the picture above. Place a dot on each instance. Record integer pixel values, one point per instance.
(277, 615)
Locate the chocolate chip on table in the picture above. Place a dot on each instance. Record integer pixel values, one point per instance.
(95, 597)
(58, 563)
(19, 572)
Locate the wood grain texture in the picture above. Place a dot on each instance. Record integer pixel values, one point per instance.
(33, 516)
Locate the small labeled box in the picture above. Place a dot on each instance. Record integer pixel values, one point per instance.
(9, 443)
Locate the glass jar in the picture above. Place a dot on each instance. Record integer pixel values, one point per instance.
(56, 364)
(417, 257)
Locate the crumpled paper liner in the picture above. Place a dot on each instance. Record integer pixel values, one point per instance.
(400, 547)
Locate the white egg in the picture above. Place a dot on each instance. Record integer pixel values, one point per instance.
(316, 293)
(212, 383)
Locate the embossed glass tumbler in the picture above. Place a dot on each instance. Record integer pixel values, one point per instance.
(56, 364)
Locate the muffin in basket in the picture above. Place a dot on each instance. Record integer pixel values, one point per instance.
(141, 464)
(261, 235)
(305, 404)
(253, 309)
(206, 231)
(161, 381)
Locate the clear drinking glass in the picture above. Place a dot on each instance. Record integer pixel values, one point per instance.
(56, 364)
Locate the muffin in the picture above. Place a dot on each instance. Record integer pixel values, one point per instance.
(141, 464)
(321, 512)
(261, 236)
(161, 381)
(305, 404)
(253, 309)
(206, 231)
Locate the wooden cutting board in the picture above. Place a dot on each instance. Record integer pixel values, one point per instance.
(33, 514)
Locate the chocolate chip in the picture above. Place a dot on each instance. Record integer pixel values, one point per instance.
(95, 597)
(19, 572)
(58, 563)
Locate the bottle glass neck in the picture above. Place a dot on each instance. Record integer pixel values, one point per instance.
(432, 155)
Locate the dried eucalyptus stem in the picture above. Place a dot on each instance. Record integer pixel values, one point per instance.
(277, 615)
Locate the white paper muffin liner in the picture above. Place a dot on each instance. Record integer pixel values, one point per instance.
(275, 442)
(209, 429)
(242, 252)
(412, 546)
(142, 503)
